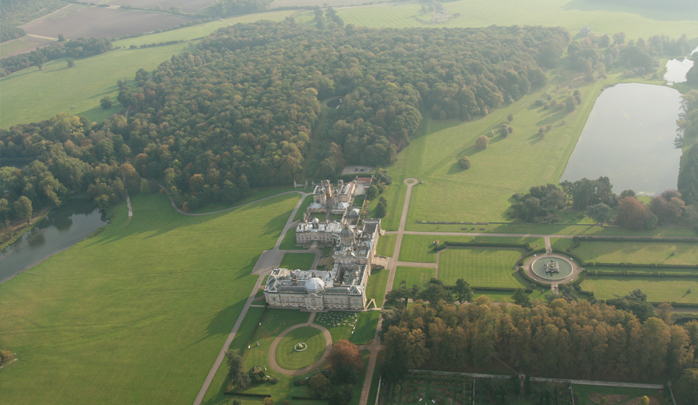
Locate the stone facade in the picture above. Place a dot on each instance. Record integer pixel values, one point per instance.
(342, 287)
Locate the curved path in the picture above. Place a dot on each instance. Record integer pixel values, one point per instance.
(302, 193)
(272, 350)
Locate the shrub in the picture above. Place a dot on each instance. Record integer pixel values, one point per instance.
(105, 102)
(482, 142)
(464, 163)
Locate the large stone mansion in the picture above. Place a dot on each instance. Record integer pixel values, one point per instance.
(344, 285)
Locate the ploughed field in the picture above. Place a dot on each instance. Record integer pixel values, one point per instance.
(100, 22)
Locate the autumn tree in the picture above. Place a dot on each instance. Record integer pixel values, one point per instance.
(320, 386)
(482, 142)
(686, 388)
(346, 361)
(633, 214)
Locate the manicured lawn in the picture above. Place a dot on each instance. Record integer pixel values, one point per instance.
(634, 21)
(479, 267)
(304, 206)
(658, 289)
(376, 286)
(386, 245)
(341, 325)
(292, 359)
(303, 261)
(418, 248)
(413, 275)
(637, 252)
(289, 242)
(107, 320)
(255, 194)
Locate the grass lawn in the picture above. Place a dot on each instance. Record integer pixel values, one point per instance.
(638, 252)
(304, 206)
(292, 359)
(255, 194)
(376, 286)
(413, 275)
(341, 324)
(289, 242)
(107, 320)
(303, 261)
(386, 245)
(634, 21)
(658, 289)
(480, 267)
(590, 394)
(418, 248)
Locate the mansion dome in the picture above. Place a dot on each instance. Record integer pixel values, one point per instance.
(314, 285)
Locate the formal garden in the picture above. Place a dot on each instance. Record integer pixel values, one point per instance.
(300, 348)
(357, 327)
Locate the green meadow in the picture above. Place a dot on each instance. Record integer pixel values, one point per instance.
(418, 248)
(376, 286)
(138, 313)
(635, 21)
(483, 267)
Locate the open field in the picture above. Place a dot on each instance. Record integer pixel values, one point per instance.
(633, 252)
(292, 359)
(289, 242)
(303, 261)
(658, 289)
(376, 286)
(37, 95)
(413, 276)
(21, 45)
(482, 267)
(101, 22)
(108, 319)
(187, 6)
(386, 245)
(634, 21)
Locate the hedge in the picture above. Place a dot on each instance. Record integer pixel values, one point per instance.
(525, 246)
(526, 277)
(244, 394)
(601, 273)
(653, 265)
(630, 239)
(502, 289)
(678, 304)
(581, 291)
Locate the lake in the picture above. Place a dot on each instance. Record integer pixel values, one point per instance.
(629, 138)
(62, 228)
(676, 69)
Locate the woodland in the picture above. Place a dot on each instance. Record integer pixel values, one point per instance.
(556, 339)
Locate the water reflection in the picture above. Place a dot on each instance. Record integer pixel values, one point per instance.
(629, 137)
(61, 229)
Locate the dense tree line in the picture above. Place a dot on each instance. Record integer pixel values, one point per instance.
(227, 8)
(559, 339)
(14, 13)
(597, 53)
(663, 4)
(246, 103)
(688, 138)
(77, 48)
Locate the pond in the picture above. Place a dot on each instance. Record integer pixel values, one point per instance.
(61, 229)
(676, 69)
(629, 138)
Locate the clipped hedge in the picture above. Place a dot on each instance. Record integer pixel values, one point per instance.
(244, 394)
(525, 246)
(631, 239)
(582, 291)
(526, 277)
(601, 273)
(652, 265)
(500, 289)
